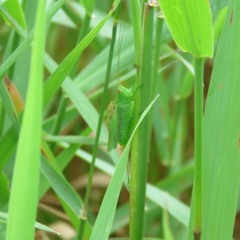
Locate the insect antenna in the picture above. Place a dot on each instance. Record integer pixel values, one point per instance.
(123, 17)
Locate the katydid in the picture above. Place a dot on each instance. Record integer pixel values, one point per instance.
(121, 117)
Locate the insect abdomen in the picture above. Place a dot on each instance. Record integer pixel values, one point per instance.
(125, 121)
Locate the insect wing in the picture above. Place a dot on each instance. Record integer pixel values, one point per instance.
(125, 111)
(125, 122)
(112, 126)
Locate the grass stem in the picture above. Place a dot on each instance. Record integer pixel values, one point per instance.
(100, 121)
(141, 141)
(198, 123)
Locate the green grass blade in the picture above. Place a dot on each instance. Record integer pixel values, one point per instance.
(27, 41)
(221, 159)
(15, 9)
(79, 100)
(4, 193)
(102, 226)
(190, 24)
(61, 187)
(55, 80)
(63, 159)
(177, 209)
(168, 235)
(71, 139)
(9, 106)
(24, 191)
(8, 145)
(89, 5)
(4, 217)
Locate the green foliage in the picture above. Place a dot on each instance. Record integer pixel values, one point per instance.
(190, 25)
(55, 167)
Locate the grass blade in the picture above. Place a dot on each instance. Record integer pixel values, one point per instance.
(55, 80)
(15, 9)
(221, 134)
(24, 192)
(221, 159)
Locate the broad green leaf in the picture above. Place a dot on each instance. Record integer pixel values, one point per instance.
(221, 166)
(221, 129)
(190, 24)
(24, 189)
(103, 224)
(15, 9)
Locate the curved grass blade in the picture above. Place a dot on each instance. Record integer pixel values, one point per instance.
(61, 187)
(79, 100)
(4, 217)
(177, 209)
(56, 79)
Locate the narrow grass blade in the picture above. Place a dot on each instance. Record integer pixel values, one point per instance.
(55, 80)
(4, 217)
(168, 235)
(24, 191)
(79, 100)
(103, 224)
(8, 146)
(71, 139)
(190, 24)
(177, 209)
(61, 187)
(63, 159)
(9, 106)
(4, 193)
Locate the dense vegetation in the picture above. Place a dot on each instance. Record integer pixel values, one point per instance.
(171, 75)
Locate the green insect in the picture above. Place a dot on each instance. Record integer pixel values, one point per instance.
(121, 117)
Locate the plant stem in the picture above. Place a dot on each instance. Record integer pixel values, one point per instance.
(137, 29)
(198, 122)
(100, 121)
(141, 141)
